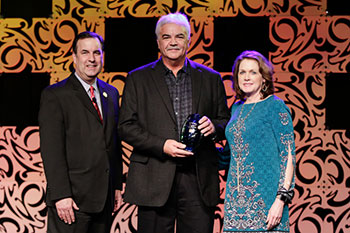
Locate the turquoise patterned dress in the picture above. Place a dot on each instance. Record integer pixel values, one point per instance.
(259, 135)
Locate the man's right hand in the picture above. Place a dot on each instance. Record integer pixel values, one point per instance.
(65, 210)
(176, 149)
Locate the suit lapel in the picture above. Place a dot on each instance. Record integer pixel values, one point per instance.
(196, 77)
(160, 84)
(83, 96)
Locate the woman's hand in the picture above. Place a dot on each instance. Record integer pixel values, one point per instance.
(275, 214)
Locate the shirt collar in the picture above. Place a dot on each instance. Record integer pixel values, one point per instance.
(184, 69)
(85, 85)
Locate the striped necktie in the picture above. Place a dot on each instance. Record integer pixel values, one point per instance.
(94, 102)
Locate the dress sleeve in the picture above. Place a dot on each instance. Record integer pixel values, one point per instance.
(284, 134)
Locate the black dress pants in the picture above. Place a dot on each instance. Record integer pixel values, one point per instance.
(184, 209)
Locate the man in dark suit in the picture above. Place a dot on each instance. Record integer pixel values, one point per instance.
(168, 183)
(80, 146)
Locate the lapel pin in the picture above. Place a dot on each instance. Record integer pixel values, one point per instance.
(105, 94)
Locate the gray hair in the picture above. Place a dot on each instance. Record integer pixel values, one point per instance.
(176, 18)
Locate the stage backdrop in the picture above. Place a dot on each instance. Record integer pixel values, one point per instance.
(307, 41)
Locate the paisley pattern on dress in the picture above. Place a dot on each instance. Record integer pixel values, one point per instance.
(261, 139)
(246, 200)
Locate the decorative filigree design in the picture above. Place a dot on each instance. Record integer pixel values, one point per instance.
(322, 155)
(202, 30)
(44, 45)
(22, 46)
(22, 181)
(125, 219)
(138, 8)
(231, 8)
(317, 44)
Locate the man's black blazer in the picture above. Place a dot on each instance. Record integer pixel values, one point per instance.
(81, 156)
(147, 120)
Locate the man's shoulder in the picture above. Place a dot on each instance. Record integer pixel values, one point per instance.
(59, 86)
(107, 87)
(201, 67)
(105, 84)
(147, 67)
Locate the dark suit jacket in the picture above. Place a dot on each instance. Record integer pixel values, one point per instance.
(147, 120)
(81, 156)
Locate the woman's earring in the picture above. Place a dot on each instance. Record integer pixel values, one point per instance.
(263, 87)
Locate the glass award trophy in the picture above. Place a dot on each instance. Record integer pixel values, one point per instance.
(190, 134)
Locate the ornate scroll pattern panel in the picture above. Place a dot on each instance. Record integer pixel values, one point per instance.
(228, 83)
(22, 181)
(158, 8)
(322, 184)
(117, 80)
(202, 30)
(317, 44)
(307, 48)
(22, 45)
(304, 93)
(136, 8)
(231, 8)
(78, 9)
(44, 44)
(322, 157)
(125, 220)
(338, 39)
(222, 8)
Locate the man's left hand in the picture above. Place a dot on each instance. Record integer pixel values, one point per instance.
(206, 126)
(117, 200)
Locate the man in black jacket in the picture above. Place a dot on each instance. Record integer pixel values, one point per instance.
(167, 182)
(80, 145)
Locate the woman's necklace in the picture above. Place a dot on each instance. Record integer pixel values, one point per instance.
(240, 113)
(240, 126)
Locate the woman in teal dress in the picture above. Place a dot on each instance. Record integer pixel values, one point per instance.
(260, 136)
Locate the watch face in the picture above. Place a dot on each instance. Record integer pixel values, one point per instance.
(190, 134)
